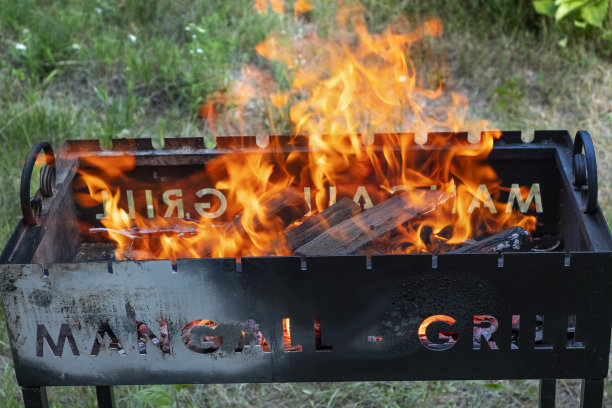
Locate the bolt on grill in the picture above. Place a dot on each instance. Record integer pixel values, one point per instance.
(77, 315)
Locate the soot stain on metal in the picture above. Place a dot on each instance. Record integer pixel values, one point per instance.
(9, 285)
(440, 294)
(41, 298)
(129, 310)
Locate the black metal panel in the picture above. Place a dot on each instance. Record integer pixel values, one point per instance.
(509, 137)
(369, 318)
(559, 137)
(127, 145)
(355, 318)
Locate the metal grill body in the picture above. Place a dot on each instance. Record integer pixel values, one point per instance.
(513, 316)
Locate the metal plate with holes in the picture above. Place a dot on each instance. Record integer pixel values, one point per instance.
(79, 325)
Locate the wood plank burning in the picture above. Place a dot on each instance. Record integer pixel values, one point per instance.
(351, 235)
(513, 239)
(286, 204)
(341, 229)
(296, 236)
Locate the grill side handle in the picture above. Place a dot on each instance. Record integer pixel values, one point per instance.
(585, 171)
(31, 207)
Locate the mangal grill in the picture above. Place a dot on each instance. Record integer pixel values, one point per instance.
(78, 316)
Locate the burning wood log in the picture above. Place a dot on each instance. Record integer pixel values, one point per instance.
(353, 234)
(513, 239)
(286, 204)
(296, 236)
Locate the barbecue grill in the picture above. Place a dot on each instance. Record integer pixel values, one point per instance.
(77, 316)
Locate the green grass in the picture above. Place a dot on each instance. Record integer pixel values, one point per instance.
(107, 68)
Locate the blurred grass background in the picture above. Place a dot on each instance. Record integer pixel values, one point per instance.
(130, 68)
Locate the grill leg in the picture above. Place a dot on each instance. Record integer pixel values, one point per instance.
(592, 393)
(106, 396)
(548, 389)
(35, 397)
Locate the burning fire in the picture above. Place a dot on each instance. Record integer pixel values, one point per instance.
(349, 93)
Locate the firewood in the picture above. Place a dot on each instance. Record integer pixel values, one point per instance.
(296, 236)
(513, 239)
(353, 234)
(286, 204)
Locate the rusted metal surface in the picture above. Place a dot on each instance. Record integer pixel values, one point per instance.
(92, 308)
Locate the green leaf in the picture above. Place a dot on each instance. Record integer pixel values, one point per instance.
(494, 386)
(155, 396)
(50, 77)
(501, 91)
(101, 94)
(545, 7)
(595, 13)
(580, 23)
(568, 6)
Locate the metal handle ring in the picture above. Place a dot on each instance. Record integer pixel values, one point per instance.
(585, 170)
(31, 207)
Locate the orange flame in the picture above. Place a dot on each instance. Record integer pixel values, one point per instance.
(301, 7)
(346, 90)
(261, 6)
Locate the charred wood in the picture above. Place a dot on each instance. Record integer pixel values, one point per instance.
(353, 234)
(299, 235)
(513, 239)
(286, 205)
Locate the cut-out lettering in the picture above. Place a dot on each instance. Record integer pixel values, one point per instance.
(99, 343)
(539, 335)
(131, 208)
(516, 329)
(287, 337)
(201, 207)
(174, 203)
(317, 333)
(484, 328)
(482, 197)
(103, 215)
(150, 208)
(572, 343)
(332, 195)
(209, 344)
(144, 334)
(251, 332)
(533, 195)
(57, 349)
(445, 339)
(308, 199)
(363, 198)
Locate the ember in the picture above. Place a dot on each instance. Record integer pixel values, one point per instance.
(353, 91)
